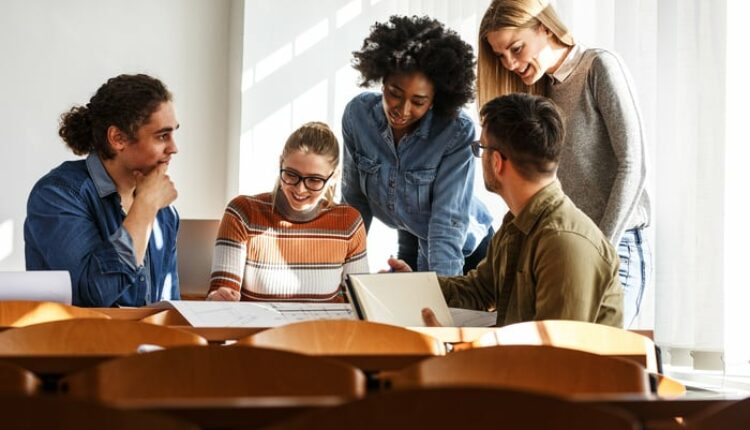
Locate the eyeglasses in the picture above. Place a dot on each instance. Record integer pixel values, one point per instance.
(312, 183)
(478, 149)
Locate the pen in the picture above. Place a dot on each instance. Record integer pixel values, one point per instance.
(390, 269)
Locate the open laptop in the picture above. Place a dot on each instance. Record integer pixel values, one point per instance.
(195, 252)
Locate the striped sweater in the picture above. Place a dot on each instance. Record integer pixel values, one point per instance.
(268, 257)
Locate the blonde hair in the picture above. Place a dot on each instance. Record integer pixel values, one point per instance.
(493, 79)
(313, 138)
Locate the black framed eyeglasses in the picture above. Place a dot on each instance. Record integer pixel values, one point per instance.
(312, 183)
(478, 149)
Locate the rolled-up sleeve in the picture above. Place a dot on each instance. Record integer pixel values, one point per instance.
(449, 219)
(62, 234)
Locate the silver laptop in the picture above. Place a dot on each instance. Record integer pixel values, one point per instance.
(195, 252)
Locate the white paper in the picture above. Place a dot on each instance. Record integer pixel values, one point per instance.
(41, 285)
(255, 314)
(472, 318)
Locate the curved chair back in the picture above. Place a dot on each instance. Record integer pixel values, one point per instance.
(56, 412)
(91, 337)
(20, 313)
(15, 380)
(345, 337)
(583, 336)
(538, 368)
(216, 371)
(461, 407)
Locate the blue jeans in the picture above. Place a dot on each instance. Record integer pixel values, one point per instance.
(635, 272)
(408, 250)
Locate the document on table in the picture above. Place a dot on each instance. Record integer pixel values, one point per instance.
(255, 314)
(472, 318)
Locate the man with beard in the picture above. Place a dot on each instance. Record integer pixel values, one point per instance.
(548, 260)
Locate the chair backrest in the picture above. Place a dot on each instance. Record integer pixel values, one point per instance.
(20, 313)
(40, 412)
(461, 408)
(167, 317)
(345, 337)
(91, 337)
(216, 371)
(15, 380)
(538, 368)
(734, 416)
(583, 336)
(195, 252)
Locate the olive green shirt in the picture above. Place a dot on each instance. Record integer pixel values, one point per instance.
(549, 262)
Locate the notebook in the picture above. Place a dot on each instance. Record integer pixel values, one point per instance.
(397, 298)
(195, 251)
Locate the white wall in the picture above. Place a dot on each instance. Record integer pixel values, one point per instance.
(57, 53)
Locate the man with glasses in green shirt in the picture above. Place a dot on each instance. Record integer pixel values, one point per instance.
(548, 260)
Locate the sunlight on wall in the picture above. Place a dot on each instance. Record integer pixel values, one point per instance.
(348, 12)
(312, 105)
(259, 145)
(273, 62)
(310, 37)
(6, 239)
(247, 79)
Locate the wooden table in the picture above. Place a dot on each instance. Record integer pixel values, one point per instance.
(234, 412)
(651, 409)
(248, 412)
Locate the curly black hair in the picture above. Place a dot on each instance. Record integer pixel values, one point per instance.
(125, 101)
(420, 44)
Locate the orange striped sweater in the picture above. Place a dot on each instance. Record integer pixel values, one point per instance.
(267, 257)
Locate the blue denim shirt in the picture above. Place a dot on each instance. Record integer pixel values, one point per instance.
(425, 185)
(74, 223)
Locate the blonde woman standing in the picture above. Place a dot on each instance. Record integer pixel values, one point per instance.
(525, 47)
(295, 243)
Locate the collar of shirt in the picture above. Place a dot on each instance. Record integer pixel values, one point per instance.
(537, 205)
(423, 126)
(567, 66)
(103, 183)
(286, 211)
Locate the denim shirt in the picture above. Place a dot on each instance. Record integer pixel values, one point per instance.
(74, 223)
(424, 185)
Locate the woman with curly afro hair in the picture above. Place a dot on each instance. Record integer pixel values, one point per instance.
(407, 149)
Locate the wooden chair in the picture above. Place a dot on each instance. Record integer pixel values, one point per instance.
(583, 336)
(345, 337)
(734, 416)
(445, 408)
(166, 317)
(15, 380)
(90, 337)
(54, 412)
(546, 369)
(20, 313)
(669, 387)
(215, 371)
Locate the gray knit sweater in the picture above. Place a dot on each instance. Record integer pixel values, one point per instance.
(603, 163)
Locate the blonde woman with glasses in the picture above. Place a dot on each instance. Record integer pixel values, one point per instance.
(295, 243)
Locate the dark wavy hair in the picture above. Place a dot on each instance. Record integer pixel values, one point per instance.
(125, 101)
(420, 44)
(527, 129)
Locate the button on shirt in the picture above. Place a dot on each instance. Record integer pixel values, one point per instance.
(424, 185)
(74, 223)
